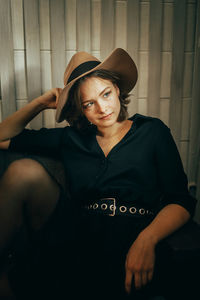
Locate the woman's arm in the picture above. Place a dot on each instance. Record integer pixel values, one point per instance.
(140, 259)
(15, 123)
(175, 207)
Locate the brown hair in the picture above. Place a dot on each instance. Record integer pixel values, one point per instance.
(73, 109)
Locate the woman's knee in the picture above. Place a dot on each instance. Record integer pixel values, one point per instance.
(26, 180)
(28, 177)
(24, 172)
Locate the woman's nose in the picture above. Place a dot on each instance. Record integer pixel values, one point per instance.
(102, 107)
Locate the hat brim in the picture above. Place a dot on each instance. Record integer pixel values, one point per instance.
(118, 61)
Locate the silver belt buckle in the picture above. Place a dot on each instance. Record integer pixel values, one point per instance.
(113, 209)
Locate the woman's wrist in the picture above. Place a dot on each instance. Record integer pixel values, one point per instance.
(40, 103)
(168, 220)
(149, 236)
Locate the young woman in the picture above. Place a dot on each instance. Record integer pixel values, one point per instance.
(127, 187)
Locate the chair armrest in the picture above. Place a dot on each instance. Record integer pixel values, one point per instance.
(185, 242)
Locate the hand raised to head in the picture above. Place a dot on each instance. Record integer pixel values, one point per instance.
(50, 98)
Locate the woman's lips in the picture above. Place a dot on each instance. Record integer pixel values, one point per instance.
(106, 117)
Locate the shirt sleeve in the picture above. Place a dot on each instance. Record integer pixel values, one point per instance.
(172, 178)
(44, 141)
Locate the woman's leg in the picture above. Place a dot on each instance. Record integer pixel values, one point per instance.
(27, 194)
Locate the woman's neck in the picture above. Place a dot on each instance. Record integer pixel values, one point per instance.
(115, 129)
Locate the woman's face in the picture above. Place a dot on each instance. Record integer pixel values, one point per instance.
(100, 101)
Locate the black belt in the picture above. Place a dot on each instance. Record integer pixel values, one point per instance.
(109, 207)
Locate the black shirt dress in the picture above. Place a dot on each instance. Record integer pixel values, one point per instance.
(143, 170)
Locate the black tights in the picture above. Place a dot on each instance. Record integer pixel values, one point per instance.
(28, 194)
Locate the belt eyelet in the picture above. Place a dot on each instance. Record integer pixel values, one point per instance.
(122, 209)
(112, 207)
(133, 210)
(141, 211)
(95, 206)
(104, 206)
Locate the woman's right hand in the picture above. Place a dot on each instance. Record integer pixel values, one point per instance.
(16, 122)
(140, 261)
(50, 98)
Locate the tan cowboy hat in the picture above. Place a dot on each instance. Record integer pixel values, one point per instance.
(83, 63)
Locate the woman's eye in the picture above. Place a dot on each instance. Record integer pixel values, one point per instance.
(88, 105)
(106, 94)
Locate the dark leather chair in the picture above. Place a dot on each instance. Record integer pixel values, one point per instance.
(181, 248)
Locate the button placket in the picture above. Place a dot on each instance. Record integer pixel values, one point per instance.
(103, 161)
(102, 167)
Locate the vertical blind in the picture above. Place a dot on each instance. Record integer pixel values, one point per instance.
(38, 38)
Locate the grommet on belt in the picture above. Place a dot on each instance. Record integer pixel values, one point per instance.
(95, 206)
(123, 209)
(104, 206)
(109, 207)
(133, 210)
(142, 211)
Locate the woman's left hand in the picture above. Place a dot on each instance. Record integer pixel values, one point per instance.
(140, 262)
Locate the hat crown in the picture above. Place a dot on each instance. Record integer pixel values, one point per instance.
(77, 60)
